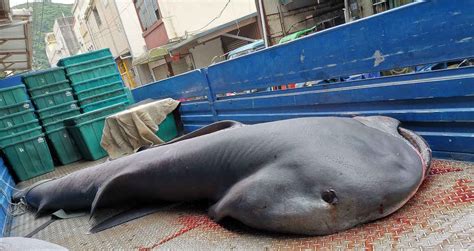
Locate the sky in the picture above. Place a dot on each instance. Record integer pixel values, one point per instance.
(17, 2)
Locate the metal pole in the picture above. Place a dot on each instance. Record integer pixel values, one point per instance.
(262, 19)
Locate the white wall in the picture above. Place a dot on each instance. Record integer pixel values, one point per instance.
(109, 33)
(56, 50)
(51, 47)
(132, 27)
(80, 26)
(204, 53)
(145, 74)
(159, 69)
(181, 16)
(120, 28)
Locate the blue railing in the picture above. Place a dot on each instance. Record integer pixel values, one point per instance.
(438, 104)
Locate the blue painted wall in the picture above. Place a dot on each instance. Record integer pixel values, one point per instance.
(438, 105)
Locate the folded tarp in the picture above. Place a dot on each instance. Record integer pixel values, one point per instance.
(126, 131)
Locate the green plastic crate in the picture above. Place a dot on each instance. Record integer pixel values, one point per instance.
(53, 126)
(46, 89)
(44, 77)
(103, 112)
(64, 145)
(66, 62)
(103, 96)
(93, 72)
(168, 129)
(18, 128)
(17, 118)
(29, 157)
(88, 136)
(96, 82)
(57, 109)
(20, 136)
(131, 100)
(16, 108)
(53, 98)
(60, 116)
(13, 95)
(89, 64)
(99, 90)
(105, 103)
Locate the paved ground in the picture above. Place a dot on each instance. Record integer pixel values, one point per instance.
(440, 216)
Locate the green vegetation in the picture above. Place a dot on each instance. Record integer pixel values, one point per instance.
(48, 13)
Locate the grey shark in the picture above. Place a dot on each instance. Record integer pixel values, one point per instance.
(310, 176)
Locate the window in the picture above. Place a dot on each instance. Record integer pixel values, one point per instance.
(148, 12)
(96, 16)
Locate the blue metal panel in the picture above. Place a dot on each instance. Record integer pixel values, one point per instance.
(191, 84)
(11, 81)
(6, 185)
(438, 105)
(448, 89)
(454, 155)
(196, 114)
(419, 33)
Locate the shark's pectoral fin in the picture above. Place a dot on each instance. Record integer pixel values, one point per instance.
(120, 189)
(130, 214)
(269, 200)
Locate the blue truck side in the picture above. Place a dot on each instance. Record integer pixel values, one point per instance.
(439, 105)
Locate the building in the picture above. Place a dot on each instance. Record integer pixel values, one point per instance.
(285, 17)
(363, 8)
(80, 27)
(185, 35)
(51, 48)
(62, 42)
(111, 24)
(15, 40)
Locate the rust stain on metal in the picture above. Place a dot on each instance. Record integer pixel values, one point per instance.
(189, 223)
(436, 171)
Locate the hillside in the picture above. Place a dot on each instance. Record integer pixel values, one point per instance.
(50, 12)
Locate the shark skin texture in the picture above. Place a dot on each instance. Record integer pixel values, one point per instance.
(309, 176)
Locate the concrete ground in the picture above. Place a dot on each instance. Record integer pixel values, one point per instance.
(439, 216)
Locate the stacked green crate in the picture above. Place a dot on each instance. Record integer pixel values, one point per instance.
(95, 80)
(98, 86)
(21, 137)
(53, 97)
(87, 130)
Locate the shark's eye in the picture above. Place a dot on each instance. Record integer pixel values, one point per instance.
(329, 196)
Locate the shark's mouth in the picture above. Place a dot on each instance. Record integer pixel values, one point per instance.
(420, 145)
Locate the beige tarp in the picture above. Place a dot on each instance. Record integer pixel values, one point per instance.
(126, 131)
